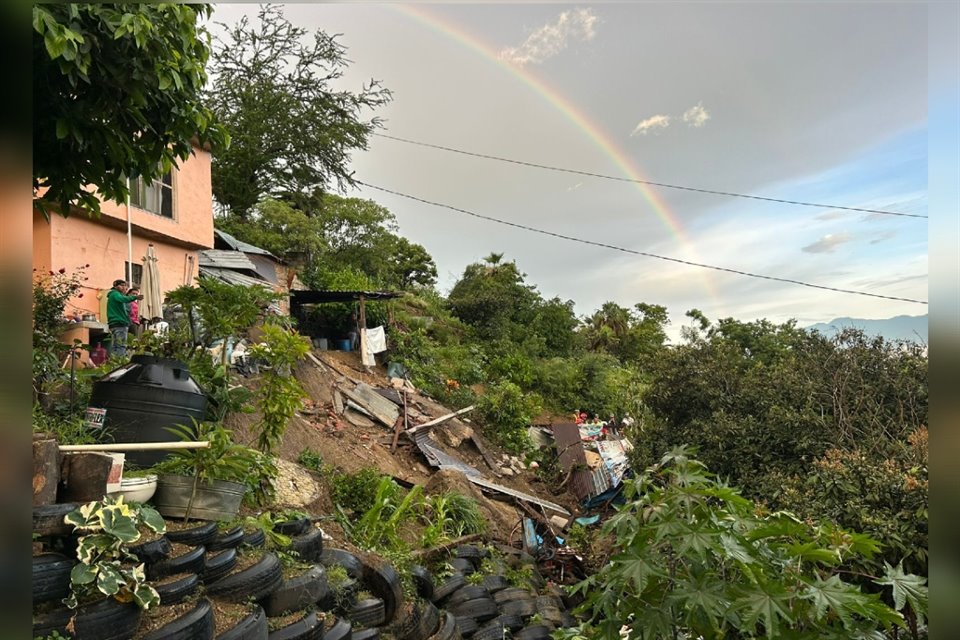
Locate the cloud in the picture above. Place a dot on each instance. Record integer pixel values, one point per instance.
(885, 235)
(696, 116)
(653, 122)
(827, 243)
(551, 39)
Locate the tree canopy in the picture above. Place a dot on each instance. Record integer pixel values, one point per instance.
(292, 132)
(332, 233)
(116, 93)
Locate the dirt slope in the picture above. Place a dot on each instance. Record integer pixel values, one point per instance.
(351, 443)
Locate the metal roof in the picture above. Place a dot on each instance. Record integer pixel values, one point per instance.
(311, 296)
(240, 245)
(221, 259)
(233, 277)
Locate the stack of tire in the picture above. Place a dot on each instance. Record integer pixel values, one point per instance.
(204, 571)
(491, 609)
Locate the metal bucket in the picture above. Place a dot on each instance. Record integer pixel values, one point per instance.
(215, 500)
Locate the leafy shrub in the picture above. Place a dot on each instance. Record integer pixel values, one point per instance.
(51, 293)
(355, 492)
(507, 411)
(280, 394)
(886, 497)
(693, 558)
(105, 566)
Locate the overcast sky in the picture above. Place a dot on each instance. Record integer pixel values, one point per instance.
(816, 102)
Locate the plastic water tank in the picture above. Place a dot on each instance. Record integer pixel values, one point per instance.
(138, 401)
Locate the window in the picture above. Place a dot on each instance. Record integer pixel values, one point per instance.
(135, 271)
(155, 197)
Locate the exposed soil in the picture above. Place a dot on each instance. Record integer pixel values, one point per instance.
(349, 443)
(227, 614)
(156, 617)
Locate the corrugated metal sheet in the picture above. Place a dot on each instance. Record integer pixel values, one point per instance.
(240, 245)
(233, 277)
(438, 458)
(219, 259)
(571, 455)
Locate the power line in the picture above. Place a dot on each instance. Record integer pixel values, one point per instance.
(639, 253)
(649, 182)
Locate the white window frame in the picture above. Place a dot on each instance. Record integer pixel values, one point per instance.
(139, 187)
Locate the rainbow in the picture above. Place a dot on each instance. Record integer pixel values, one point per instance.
(594, 131)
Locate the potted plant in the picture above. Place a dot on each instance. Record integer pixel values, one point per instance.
(206, 483)
(108, 587)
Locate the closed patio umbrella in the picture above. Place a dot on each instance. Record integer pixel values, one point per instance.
(151, 307)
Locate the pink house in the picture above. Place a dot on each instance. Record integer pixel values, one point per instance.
(175, 215)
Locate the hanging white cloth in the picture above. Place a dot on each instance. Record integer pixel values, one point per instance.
(376, 340)
(366, 357)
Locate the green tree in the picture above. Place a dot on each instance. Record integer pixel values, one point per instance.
(493, 299)
(293, 131)
(116, 93)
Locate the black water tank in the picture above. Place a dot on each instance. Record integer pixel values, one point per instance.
(136, 403)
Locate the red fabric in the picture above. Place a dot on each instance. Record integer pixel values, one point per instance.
(134, 312)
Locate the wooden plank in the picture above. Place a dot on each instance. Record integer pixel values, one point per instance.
(489, 459)
(517, 494)
(338, 402)
(440, 420)
(380, 408)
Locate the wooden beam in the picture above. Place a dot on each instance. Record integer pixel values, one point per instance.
(440, 420)
(136, 446)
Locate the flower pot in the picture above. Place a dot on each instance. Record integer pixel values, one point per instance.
(136, 489)
(214, 500)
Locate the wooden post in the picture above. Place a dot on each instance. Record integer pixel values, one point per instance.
(46, 471)
(396, 430)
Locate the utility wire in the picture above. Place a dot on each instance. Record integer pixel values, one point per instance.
(655, 184)
(639, 253)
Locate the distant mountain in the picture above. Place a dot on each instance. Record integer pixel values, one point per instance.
(899, 328)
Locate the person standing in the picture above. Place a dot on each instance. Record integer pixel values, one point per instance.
(133, 310)
(118, 318)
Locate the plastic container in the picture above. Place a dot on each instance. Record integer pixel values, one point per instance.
(344, 345)
(138, 401)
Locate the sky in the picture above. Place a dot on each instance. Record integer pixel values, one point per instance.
(817, 102)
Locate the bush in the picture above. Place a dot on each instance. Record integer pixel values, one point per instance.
(355, 492)
(508, 411)
(693, 558)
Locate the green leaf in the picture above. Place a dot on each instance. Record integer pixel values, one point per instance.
(63, 130)
(54, 44)
(119, 525)
(152, 519)
(83, 573)
(767, 603)
(146, 596)
(110, 578)
(907, 589)
(635, 567)
(832, 594)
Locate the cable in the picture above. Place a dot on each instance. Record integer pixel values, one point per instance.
(655, 184)
(639, 253)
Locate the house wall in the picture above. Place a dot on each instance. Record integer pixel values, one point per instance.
(102, 243)
(75, 241)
